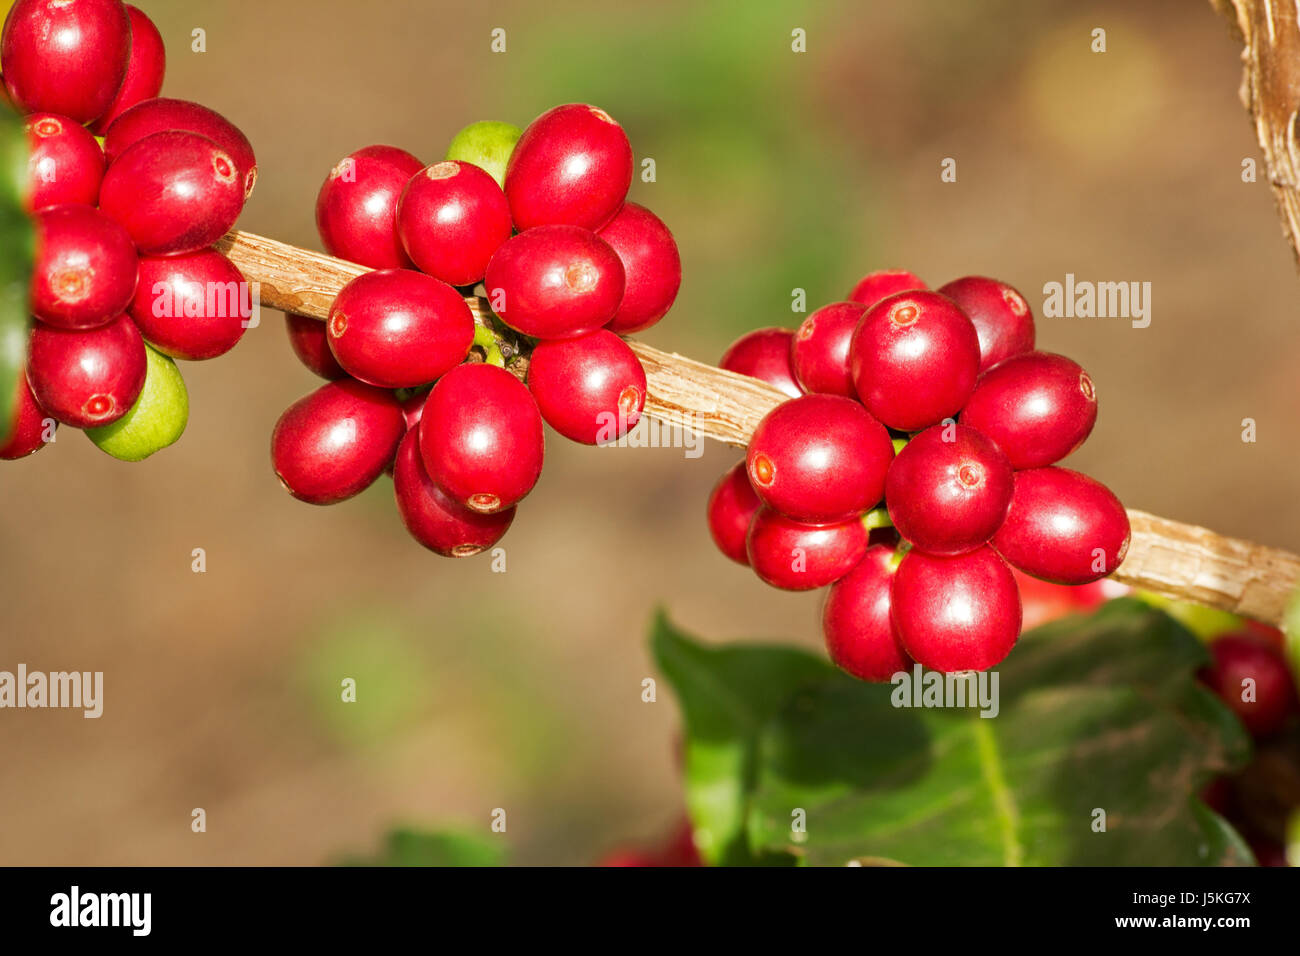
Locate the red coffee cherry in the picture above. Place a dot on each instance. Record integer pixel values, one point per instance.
(949, 489)
(732, 506)
(174, 192)
(193, 306)
(85, 269)
(1238, 658)
(333, 444)
(874, 286)
(432, 518)
(571, 167)
(590, 389)
(86, 377)
(397, 328)
(68, 57)
(914, 359)
(651, 264)
(1001, 315)
(144, 70)
(356, 208)
(28, 433)
(555, 282)
(819, 458)
(956, 613)
(308, 341)
(795, 556)
(1038, 407)
(819, 353)
(66, 163)
(856, 620)
(162, 114)
(451, 217)
(481, 438)
(1063, 527)
(764, 354)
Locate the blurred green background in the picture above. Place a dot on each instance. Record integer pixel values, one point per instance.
(776, 170)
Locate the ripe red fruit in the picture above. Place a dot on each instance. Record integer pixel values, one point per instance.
(795, 556)
(819, 353)
(86, 377)
(175, 192)
(590, 389)
(1038, 407)
(555, 282)
(914, 359)
(163, 114)
(1237, 658)
(193, 306)
(432, 518)
(85, 269)
(1001, 316)
(956, 613)
(819, 458)
(451, 217)
(764, 354)
(29, 424)
(66, 163)
(1063, 527)
(948, 490)
(732, 506)
(572, 166)
(68, 57)
(356, 208)
(144, 69)
(397, 328)
(874, 286)
(651, 264)
(481, 437)
(308, 341)
(856, 622)
(333, 443)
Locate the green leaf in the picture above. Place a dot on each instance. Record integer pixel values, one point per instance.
(17, 249)
(411, 847)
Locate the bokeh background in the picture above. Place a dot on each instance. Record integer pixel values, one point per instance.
(776, 170)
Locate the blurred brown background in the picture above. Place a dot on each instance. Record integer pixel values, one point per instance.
(776, 170)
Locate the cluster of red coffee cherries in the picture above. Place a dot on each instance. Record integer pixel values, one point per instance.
(123, 231)
(937, 403)
(424, 391)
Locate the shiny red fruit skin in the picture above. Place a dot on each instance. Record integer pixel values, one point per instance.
(572, 167)
(731, 509)
(481, 437)
(1236, 657)
(332, 444)
(175, 192)
(66, 163)
(193, 306)
(651, 264)
(914, 359)
(1038, 407)
(956, 613)
(397, 328)
(590, 389)
(85, 269)
(28, 432)
(819, 458)
(856, 622)
(819, 353)
(432, 518)
(356, 208)
(764, 354)
(144, 70)
(949, 489)
(1002, 317)
(308, 341)
(874, 286)
(1057, 519)
(795, 556)
(163, 114)
(555, 282)
(86, 377)
(67, 58)
(451, 217)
